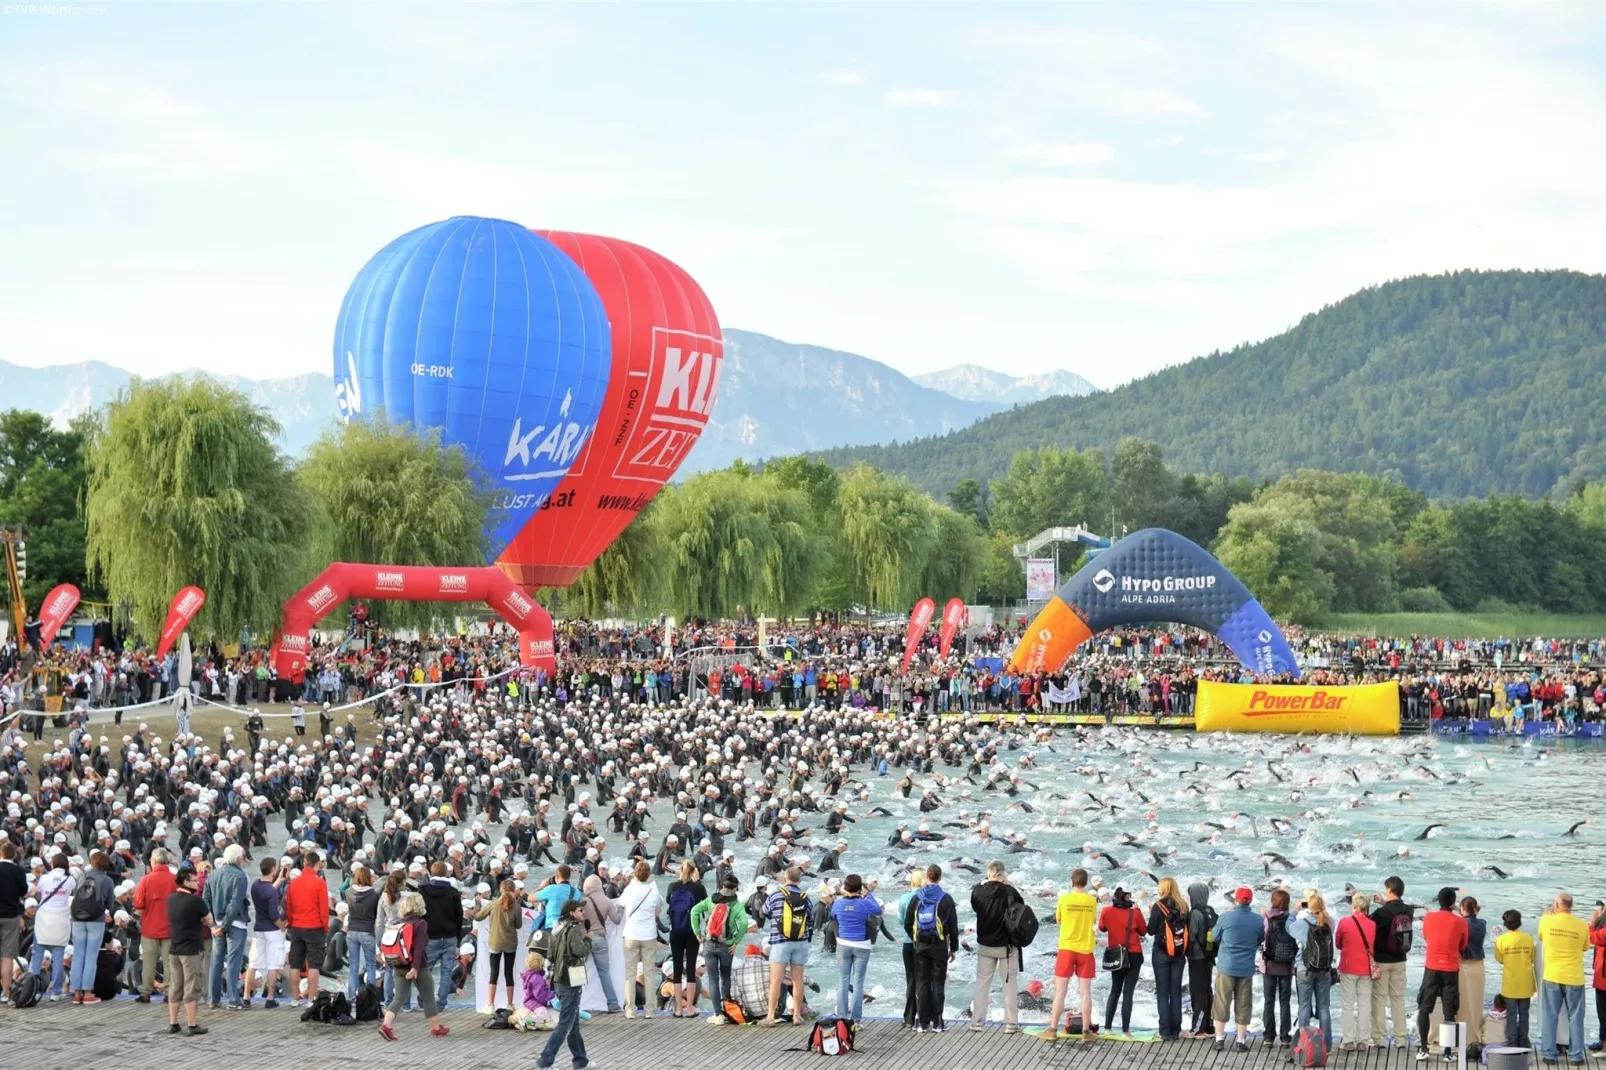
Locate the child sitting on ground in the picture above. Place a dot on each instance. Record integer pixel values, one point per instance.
(536, 1012)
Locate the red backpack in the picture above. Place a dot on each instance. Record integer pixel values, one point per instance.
(396, 945)
(716, 921)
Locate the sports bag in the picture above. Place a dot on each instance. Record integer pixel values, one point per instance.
(25, 989)
(1021, 925)
(1310, 1047)
(1176, 931)
(85, 904)
(794, 914)
(1319, 948)
(1280, 947)
(716, 921)
(831, 1036)
(396, 945)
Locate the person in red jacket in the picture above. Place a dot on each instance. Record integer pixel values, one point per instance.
(150, 904)
(306, 913)
(1125, 925)
(1445, 934)
(1597, 937)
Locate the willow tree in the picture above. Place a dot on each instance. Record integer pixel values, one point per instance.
(888, 534)
(389, 495)
(187, 486)
(958, 555)
(735, 543)
(627, 578)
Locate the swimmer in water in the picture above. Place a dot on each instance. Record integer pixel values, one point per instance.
(1428, 832)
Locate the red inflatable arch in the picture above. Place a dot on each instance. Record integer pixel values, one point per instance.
(410, 583)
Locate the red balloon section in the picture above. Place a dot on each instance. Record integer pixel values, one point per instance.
(667, 350)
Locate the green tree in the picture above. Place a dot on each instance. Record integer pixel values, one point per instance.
(1002, 578)
(954, 567)
(1275, 548)
(1589, 506)
(187, 486)
(1051, 488)
(627, 578)
(1356, 517)
(734, 544)
(969, 498)
(388, 495)
(1438, 552)
(41, 484)
(1143, 491)
(888, 534)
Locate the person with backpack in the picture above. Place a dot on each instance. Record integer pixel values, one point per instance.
(1277, 971)
(720, 923)
(641, 904)
(1169, 922)
(791, 929)
(1201, 957)
(1355, 939)
(856, 914)
(1124, 928)
(1394, 920)
(1238, 934)
(933, 922)
(1313, 930)
(92, 906)
(52, 923)
(404, 948)
(1445, 934)
(996, 949)
(684, 895)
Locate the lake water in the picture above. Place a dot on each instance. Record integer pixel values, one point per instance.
(1505, 803)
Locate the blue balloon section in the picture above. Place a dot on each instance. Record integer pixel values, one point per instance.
(488, 333)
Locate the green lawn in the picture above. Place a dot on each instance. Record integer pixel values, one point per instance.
(1469, 625)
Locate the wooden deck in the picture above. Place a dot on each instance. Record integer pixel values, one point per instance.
(128, 1036)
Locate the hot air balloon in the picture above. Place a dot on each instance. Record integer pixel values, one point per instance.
(667, 351)
(487, 332)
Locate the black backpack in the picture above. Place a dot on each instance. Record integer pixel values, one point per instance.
(25, 989)
(1200, 946)
(1021, 925)
(85, 904)
(1397, 937)
(1319, 948)
(1281, 948)
(369, 1003)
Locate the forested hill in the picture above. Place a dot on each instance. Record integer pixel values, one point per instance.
(1464, 384)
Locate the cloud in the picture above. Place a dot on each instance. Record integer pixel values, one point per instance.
(437, 185)
(136, 125)
(922, 98)
(1109, 73)
(841, 77)
(1267, 156)
(1067, 155)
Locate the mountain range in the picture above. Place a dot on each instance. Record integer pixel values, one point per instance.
(975, 383)
(1464, 384)
(775, 398)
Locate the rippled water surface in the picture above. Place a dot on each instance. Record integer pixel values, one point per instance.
(1350, 804)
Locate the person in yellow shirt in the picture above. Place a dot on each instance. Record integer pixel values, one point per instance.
(1514, 950)
(1564, 939)
(1076, 912)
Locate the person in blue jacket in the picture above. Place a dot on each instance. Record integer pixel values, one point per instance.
(857, 914)
(1238, 935)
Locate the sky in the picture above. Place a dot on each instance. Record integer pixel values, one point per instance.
(1103, 188)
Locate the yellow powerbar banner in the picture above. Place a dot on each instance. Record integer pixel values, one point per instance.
(1365, 710)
